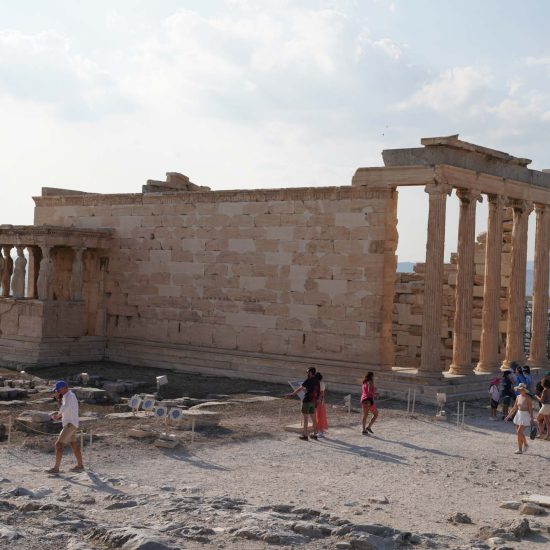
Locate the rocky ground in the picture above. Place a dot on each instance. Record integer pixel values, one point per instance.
(249, 484)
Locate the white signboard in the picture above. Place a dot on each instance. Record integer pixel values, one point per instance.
(295, 384)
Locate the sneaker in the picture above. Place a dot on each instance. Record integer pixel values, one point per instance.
(370, 431)
(303, 437)
(313, 436)
(320, 434)
(364, 432)
(518, 453)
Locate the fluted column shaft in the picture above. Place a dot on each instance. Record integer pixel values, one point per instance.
(516, 295)
(464, 294)
(490, 319)
(430, 362)
(539, 320)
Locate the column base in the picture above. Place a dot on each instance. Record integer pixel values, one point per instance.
(534, 363)
(506, 364)
(461, 369)
(487, 368)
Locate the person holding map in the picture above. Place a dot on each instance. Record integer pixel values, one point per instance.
(310, 387)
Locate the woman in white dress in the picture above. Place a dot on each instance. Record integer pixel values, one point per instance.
(522, 411)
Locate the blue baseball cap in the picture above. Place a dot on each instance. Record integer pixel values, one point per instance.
(60, 384)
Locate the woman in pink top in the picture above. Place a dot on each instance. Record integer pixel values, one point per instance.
(368, 393)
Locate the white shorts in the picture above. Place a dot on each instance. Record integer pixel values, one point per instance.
(522, 418)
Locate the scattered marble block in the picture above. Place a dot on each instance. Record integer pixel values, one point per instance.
(541, 500)
(202, 419)
(166, 441)
(7, 394)
(35, 416)
(141, 432)
(10, 404)
(210, 405)
(91, 395)
(129, 415)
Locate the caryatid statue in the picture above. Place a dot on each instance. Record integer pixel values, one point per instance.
(18, 277)
(7, 271)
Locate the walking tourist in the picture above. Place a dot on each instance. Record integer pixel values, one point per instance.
(522, 412)
(543, 418)
(520, 378)
(494, 397)
(311, 388)
(321, 408)
(528, 379)
(368, 394)
(507, 394)
(68, 414)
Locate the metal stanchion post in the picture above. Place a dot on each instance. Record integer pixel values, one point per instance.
(408, 401)
(413, 402)
(463, 412)
(458, 414)
(9, 432)
(90, 451)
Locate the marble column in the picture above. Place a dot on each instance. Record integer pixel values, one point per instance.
(489, 361)
(77, 275)
(515, 326)
(45, 275)
(464, 293)
(430, 362)
(539, 320)
(7, 271)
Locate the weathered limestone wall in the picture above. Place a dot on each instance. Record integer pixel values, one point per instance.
(409, 304)
(255, 283)
(36, 332)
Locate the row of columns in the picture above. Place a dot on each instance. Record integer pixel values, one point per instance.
(489, 360)
(13, 274)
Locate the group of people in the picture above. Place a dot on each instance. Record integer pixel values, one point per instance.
(516, 387)
(314, 408)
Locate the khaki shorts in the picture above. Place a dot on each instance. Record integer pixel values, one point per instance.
(68, 434)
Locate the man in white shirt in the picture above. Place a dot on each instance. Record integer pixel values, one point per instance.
(68, 413)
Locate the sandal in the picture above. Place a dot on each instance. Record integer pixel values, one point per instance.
(52, 471)
(77, 469)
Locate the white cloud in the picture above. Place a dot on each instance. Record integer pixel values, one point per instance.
(457, 88)
(390, 47)
(537, 60)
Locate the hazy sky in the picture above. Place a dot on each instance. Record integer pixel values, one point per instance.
(102, 96)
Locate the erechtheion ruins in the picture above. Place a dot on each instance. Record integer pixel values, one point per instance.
(263, 283)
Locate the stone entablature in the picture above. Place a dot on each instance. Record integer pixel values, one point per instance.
(49, 235)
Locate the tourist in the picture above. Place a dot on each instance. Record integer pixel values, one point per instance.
(543, 418)
(321, 408)
(528, 379)
(494, 397)
(520, 378)
(507, 393)
(68, 413)
(522, 411)
(311, 388)
(368, 394)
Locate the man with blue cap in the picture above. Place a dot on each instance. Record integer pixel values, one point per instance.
(68, 414)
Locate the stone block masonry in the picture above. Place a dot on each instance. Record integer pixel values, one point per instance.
(249, 283)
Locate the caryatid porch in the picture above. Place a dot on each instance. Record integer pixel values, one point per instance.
(476, 173)
(55, 295)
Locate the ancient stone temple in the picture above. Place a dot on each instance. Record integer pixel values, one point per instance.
(264, 283)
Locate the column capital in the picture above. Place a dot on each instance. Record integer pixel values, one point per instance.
(468, 195)
(521, 206)
(540, 208)
(437, 188)
(500, 201)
